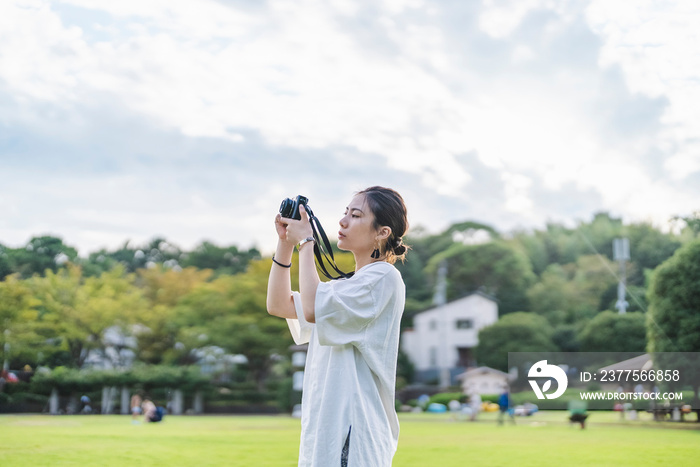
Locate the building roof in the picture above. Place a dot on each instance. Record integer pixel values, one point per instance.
(482, 370)
(642, 362)
(476, 292)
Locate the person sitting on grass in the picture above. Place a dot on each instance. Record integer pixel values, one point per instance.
(152, 413)
(578, 409)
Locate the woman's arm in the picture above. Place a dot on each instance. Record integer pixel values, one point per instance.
(308, 281)
(279, 288)
(279, 284)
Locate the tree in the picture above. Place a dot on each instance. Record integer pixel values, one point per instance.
(496, 267)
(18, 312)
(157, 251)
(515, 332)
(75, 312)
(230, 313)
(673, 323)
(222, 260)
(572, 293)
(163, 289)
(690, 224)
(610, 331)
(649, 248)
(5, 266)
(417, 271)
(39, 255)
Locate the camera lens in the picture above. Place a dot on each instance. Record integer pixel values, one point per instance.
(287, 207)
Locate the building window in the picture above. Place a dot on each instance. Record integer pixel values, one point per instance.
(433, 356)
(433, 325)
(464, 324)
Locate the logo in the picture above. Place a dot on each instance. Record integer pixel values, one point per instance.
(542, 370)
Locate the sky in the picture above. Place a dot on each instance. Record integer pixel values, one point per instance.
(123, 121)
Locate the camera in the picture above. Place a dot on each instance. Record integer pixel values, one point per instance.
(322, 247)
(290, 207)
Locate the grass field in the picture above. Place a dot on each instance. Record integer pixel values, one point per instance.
(426, 440)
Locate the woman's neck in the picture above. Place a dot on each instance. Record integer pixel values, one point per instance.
(360, 263)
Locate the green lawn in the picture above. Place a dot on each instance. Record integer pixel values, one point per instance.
(426, 440)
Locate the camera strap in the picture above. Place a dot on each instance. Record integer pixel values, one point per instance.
(323, 249)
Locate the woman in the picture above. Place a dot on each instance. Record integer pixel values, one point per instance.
(352, 327)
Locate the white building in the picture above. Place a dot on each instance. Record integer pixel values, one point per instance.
(483, 380)
(443, 339)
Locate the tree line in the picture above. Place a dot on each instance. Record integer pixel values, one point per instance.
(157, 304)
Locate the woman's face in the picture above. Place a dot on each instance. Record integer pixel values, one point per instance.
(357, 233)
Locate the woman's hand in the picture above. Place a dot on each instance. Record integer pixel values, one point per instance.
(291, 230)
(281, 227)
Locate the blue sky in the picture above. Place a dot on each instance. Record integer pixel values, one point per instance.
(192, 120)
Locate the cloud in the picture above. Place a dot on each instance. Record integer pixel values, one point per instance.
(655, 44)
(167, 116)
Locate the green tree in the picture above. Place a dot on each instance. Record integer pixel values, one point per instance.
(648, 248)
(673, 323)
(75, 312)
(230, 313)
(417, 271)
(572, 293)
(222, 260)
(612, 332)
(18, 312)
(5, 266)
(496, 268)
(156, 252)
(158, 329)
(41, 254)
(515, 332)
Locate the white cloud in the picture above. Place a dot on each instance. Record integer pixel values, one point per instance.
(296, 75)
(656, 45)
(517, 193)
(303, 83)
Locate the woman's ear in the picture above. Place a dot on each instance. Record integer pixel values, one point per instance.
(384, 233)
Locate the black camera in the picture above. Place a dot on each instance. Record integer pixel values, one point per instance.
(290, 207)
(323, 250)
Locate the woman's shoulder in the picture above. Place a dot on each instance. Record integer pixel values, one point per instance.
(378, 271)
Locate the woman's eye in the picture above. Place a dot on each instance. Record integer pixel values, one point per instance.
(355, 216)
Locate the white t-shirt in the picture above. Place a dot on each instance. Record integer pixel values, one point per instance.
(350, 373)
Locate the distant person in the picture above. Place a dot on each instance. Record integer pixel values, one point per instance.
(149, 410)
(136, 410)
(87, 408)
(578, 412)
(475, 405)
(352, 326)
(504, 407)
(152, 412)
(455, 408)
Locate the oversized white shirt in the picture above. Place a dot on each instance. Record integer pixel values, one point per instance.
(350, 373)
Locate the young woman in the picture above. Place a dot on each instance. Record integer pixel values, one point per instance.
(352, 327)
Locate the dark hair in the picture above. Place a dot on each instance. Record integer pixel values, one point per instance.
(389, 210)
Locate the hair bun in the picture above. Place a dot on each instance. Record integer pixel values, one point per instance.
(399, 249)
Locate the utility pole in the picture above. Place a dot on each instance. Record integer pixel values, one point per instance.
(621, 254)
(440, 299)
(6, 351)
